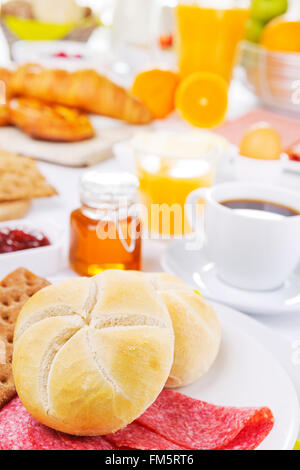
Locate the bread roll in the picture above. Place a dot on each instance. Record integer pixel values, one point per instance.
(196, 328)
(90, 355)
(57, 11)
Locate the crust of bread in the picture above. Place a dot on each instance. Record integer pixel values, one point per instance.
(48, 122)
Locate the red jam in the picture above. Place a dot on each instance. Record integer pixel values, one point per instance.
(65, 55)
(294, 157)
(17, 240)
(166, 41)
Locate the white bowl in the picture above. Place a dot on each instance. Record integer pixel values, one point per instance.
(43, 261)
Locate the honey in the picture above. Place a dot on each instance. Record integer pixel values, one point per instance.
(106, 232)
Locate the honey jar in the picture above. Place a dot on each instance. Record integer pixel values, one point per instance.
(106, 231)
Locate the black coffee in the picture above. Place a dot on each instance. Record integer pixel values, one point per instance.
(264, 206)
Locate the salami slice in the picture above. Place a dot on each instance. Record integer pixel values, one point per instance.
(194, 424)
(86, 443)
(14, 427)
(287, 127)
(137, 436)
(44, 438)
(254, 433)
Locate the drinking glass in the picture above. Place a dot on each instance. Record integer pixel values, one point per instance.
(170, 166)
(208, 33)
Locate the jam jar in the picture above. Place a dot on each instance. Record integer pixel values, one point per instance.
(106, 231)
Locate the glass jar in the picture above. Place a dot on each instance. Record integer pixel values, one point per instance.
(106, 229)
(208, 33)
(170, 166)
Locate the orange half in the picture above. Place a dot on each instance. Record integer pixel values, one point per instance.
(202, 99)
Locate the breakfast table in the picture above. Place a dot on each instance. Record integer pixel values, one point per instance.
(66, 181)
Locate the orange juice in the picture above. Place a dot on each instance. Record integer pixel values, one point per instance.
(164, 194)
(169, 168)
(207, 38)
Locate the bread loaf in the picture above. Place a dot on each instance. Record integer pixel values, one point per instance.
(196, 328)
(90, 355)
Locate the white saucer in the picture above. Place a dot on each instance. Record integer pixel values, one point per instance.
(197, 270)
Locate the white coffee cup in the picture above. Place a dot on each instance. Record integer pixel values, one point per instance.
(252, 250)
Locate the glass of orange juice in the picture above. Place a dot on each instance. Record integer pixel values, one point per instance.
(170, 166)
(208, 32)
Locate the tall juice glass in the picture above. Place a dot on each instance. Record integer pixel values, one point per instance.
(208, 32)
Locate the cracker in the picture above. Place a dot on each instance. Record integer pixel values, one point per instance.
(11, 210)
(20, 178)
(15, 290)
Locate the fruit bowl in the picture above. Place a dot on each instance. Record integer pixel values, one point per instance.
(273, 76)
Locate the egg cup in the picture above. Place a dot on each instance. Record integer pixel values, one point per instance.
(256, 170)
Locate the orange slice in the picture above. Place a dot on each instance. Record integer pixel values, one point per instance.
(202, 99)
(156, 90)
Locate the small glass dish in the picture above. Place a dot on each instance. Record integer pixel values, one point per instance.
(273, 76)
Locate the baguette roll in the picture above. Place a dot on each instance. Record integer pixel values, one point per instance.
(196, 328)
(90, 355)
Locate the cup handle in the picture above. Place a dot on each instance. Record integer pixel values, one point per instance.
(196, 222)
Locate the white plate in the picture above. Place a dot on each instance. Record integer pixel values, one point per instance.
(247, 374)
(196, 269)
(293, 167)
(43, 52)
(286, 353)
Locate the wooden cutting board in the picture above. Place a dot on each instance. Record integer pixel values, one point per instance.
(79, 154)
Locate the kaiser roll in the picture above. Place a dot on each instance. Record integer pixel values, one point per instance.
(90, 355)
(196, 328)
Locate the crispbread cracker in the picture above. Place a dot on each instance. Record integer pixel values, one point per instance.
(20, 178)
(15, 290)
(11, 210)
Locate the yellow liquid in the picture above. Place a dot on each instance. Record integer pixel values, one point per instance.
(207, 39)
(165, 184)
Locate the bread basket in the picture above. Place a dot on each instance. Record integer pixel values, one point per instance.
(17, 25)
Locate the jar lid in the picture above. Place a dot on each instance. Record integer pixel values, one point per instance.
(97, 187)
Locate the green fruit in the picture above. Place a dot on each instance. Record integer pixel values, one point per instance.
(254, 30)
(266, 10)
